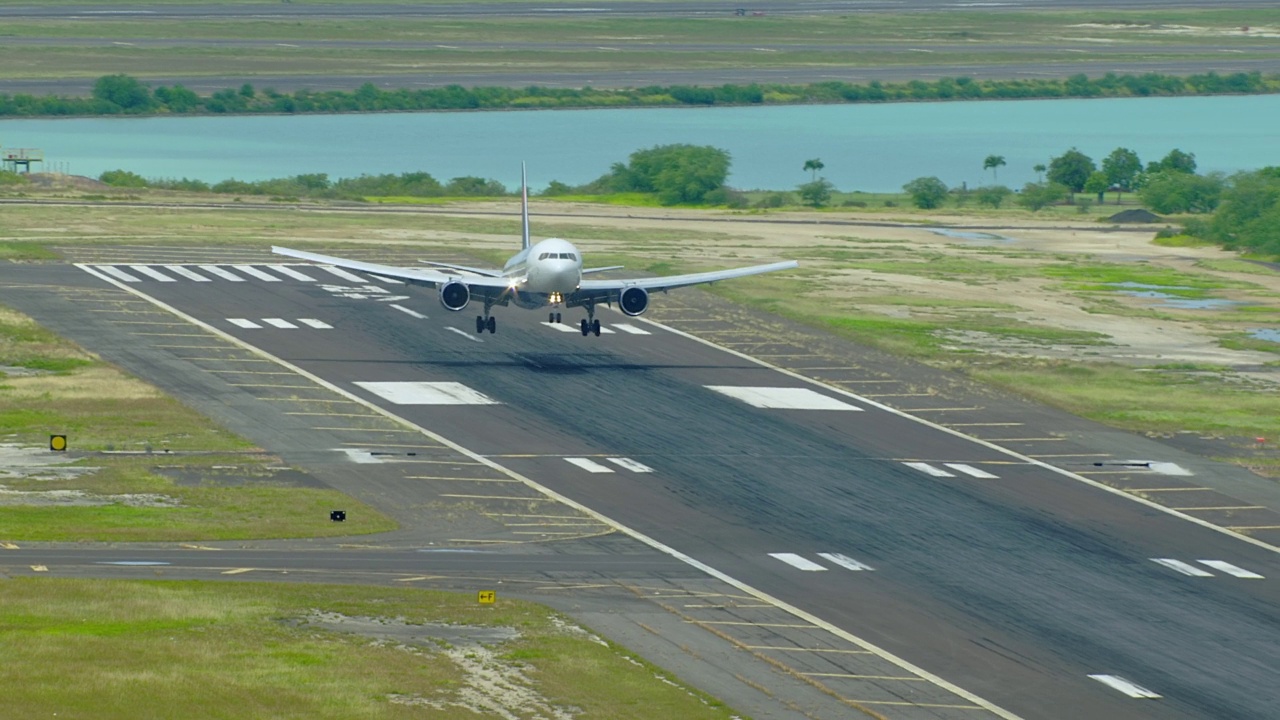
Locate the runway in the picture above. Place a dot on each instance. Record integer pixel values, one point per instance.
(953, 555)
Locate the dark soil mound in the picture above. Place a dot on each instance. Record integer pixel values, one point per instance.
(1136, 215)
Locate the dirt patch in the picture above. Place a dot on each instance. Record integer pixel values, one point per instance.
(493, 687)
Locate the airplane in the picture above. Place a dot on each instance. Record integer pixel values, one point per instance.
(542, 274)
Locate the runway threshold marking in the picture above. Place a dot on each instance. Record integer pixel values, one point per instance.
(1230, 569)
(813, 621)
(590, 466)
(798, 562)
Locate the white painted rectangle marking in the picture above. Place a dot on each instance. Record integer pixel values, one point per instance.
(1131, 689)
(846, 562)
(971, 471)
(342, 273)
(186, 273)
(1184, 568)
(928, 469)
(317, 324)
(410, 313)
(1233, 570)
(562, 327)
(798, 562)
(386, 280)
(219, 272)
(590, 466)
(254, 272)
(632, 329)
(118, 274)
(427, 393)
(242, 322)
(152, 273)
(782, 398)
(291, 273)
(280, 323)
(629, 464)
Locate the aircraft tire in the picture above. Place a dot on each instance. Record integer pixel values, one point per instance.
(493, 325)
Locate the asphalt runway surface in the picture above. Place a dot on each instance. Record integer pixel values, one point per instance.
(928, 553)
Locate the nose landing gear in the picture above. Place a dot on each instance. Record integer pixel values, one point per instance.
(554, 318)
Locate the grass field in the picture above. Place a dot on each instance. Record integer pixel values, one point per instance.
(319, 46)
(127, 650)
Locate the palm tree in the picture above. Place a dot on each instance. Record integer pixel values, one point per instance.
(1039, 172)
(992, 163)
(814, 166)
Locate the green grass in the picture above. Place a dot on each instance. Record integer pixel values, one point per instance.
(126, 650)
(1143, 400)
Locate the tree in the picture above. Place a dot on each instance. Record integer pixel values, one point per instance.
(814, 165)
(124, 92)
(1175, 161)
(1035, 196)
(1122, 168)
(816, 193)
(1098, 185)
(1039, 172)
(678, 173)
(1172, 191)
(992, 163)
(926, 192)
(123, 178)
(1071, 169)
(992, 196)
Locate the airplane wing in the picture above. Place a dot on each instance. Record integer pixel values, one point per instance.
(670, 282)
(481, 284)
(463, 268)
(606, 291)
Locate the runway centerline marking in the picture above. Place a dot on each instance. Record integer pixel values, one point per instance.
(589, 465)
(1230, 569)
(798, 562)
(845, 562)
(1127, 687)
(1184, 568)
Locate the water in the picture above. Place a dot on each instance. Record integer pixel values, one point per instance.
(874, 148)
(978, 237)
(1271, 335)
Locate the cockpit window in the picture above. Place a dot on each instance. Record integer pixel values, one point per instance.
(544, 256)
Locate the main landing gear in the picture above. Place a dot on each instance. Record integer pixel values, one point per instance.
(589, 323)
(486, 323)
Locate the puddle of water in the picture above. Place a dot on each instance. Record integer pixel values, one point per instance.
(1269, 334)
(971, 235)
(1203, 304)
(1144, 286)
(1173, 301)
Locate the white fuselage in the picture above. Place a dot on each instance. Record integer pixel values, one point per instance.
(545, 273)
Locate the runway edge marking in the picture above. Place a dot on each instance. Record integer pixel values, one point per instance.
(635, 534)
(990, 445)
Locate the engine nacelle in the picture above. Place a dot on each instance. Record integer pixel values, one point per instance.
(454, 295)
(633, 301)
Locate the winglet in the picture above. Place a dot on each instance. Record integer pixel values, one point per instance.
(524, 210)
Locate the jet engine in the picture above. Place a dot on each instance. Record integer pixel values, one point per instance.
(633, 301)
(454, 295)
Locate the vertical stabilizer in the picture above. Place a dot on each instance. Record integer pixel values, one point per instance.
(524, 210)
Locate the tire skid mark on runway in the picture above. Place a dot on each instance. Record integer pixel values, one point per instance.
(550, 495)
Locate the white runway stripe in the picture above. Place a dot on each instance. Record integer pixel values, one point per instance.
(291, 273)
(589, 465)
(254, 272)
(798, 562)
(632, 329)
(1181, 567)
(117, 273)
(629, 464)
(569, 328)
(411, 313)
(1133, 690)
(970, 470)
(219, 272)
(782, 398)
(845, 561)
(928, 469)
(1230, 569)
(427, 393)
(151, 273)
(188, 274)
(388, 281)
(244, 323)
(317, 324)
(280, 323)
(342, 273)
